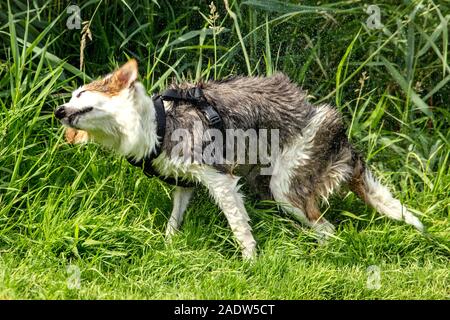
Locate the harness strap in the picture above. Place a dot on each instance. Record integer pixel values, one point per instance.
(193, 95)
(146, 163)
(196, 97)
(160, 132)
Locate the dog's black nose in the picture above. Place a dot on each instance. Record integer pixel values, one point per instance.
(60, 112)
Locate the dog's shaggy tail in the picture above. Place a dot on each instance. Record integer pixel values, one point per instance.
(371, 191)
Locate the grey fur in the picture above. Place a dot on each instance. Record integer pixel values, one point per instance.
(269, 103)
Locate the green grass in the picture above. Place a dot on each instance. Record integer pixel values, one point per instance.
(82, 206)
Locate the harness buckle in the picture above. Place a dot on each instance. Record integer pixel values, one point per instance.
(214, 120)
(211, 115)
(195, 95)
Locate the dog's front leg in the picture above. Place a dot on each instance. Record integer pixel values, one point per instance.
(225, 190)
(181, 197)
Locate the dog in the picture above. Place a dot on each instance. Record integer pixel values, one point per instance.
(315, 157)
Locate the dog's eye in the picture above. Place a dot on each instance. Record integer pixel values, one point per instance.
(79, 93)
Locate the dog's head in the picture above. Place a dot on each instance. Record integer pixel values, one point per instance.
(104, 110)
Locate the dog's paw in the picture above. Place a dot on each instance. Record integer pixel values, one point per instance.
(170, 232)
(75, 136)
(324, 231)
(249, 253)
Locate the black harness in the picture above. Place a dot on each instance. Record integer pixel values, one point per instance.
(193, 96)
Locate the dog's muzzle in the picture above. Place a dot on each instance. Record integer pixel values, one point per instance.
(67, 114)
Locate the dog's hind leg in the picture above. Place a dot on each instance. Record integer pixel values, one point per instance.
(296, 192)
(322, 227)
(225, 191)
(303, 207)
(181, 197)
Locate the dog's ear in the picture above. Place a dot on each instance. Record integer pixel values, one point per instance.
(126, 75)
(74, 136)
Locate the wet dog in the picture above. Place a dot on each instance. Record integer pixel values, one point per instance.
(314, 156)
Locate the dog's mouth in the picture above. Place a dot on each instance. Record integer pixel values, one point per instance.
(71, 118)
